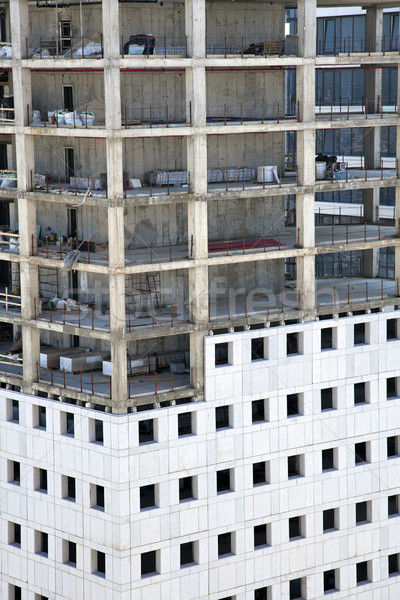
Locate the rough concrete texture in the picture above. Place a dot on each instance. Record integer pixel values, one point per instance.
(90, 156)
(233, 19)
(246, 150)
(160, 225)
(43, 22)
(265, 276)
(140, 90)
(47, 91)
(250, 217)
(146, 154)
(249, 94)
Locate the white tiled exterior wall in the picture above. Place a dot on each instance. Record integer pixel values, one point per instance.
(122, 466)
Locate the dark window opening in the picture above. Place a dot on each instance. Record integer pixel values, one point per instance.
(294, 469)
(146, 431)
(221, 354)
(393, 564)
(361, 513)
(391, 329)
(43, 480)
(101, 563)
(224, 544)
(185, 489)
(294, 527)
(360, 453)
(71, 553)
(359, 393)
(221, 417)
(259, 474)
(98, 431)
(69, 163)
(184, 424)
(393, 505)
(292, 343)
(329, 580)
(15, 411)
(68, 97)
(99, 496)
(391, 387)
(44, 543)
(261, 594)
(257, 349)
(71, 490)
(260, 536)
(223, 481)
(42, 417)
(328, 519)
(148, 563)
(16, 472)
(187, 554)
(17, 592)
(295, 589)
(258, 411)
(392, 446)
(326, 399)
(326, 338)
(362, 572)
(293, 405)
(147, 496)
(70, 424)
(16, 534)
(328, 459)
(359, 333)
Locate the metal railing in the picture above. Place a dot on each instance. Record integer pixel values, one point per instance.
(84, 382)
(156, 116)
(334, 45)
(227, 114)
(157, 383)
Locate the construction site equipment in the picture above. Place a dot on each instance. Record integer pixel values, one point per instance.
(87, 361)
(143, 292)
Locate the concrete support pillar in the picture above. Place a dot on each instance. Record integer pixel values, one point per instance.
(19, 21)
(305, 90)
(29, 283)
(372, 137)
(195, 17)
(397, 205)
(114, 151)
(195, 24)
(371, 262)
(371, 205)
(119, 371)
(373, 86)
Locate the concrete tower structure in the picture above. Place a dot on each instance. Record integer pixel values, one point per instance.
(186, 410)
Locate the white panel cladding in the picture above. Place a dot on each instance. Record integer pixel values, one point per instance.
(121, 465)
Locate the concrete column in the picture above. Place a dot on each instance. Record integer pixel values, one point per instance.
(195, 17)
(195, 24)
(114, 150)
(19, 22)
(305, 90)
(373, 86)
(117, 309)
(29, 291)
(372, 137)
